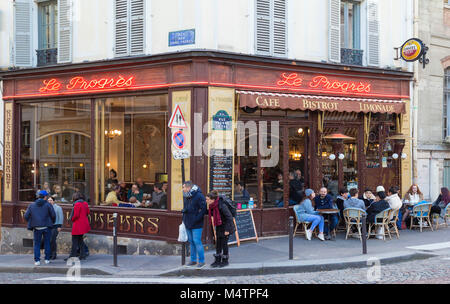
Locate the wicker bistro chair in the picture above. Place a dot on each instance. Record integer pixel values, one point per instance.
(305, 225)
(445, 216)
(381, 220)
(352, 217)
(392, 224)
(421, 212)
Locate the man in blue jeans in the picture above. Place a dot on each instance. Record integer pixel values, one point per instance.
(41, 216)
(194, 210)
(325, 201)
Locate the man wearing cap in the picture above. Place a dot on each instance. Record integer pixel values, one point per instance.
(41, 216)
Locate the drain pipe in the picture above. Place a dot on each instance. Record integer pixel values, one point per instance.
(415, 103)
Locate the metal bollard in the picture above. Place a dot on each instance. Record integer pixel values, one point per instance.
(364, 234)
(115, 239)
(291, 237)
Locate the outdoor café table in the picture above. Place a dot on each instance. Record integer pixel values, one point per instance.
(328, 212)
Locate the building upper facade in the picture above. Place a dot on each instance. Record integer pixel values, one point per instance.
(349, 32)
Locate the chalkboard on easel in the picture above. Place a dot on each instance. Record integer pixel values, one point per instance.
(245, 227)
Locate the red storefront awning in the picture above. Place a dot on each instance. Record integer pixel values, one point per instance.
(318, 103)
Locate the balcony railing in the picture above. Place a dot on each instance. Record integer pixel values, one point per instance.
(351, 56)
(47, 57)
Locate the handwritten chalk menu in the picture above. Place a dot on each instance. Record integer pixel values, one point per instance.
(221, 171)
(245, 227)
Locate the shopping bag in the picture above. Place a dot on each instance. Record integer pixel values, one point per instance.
(182, 234)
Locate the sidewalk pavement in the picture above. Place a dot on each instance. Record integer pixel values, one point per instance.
(268, 256)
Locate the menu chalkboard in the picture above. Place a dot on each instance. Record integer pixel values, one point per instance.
(221, 171)
(245, 227)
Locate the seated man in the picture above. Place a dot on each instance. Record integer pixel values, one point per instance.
(324, 201)
(135, 192)
(240, 192)
(111, 198)
(143, 187)
(295, 190)
(354, 201)
(159, 198)
(123, 193)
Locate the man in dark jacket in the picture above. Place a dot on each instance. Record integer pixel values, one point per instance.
(295, 190)
(194, 210)
(325, 201)
(41, 216)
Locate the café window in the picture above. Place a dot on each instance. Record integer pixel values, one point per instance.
(130, 141)
(350, 24)
(55, 150)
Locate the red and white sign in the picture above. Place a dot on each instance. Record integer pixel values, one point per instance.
(177, 119)
(178, 139)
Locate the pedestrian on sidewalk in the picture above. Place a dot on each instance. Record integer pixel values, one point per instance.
(80, 225)
(56, 227)
(224, 226)
(40, 216)
(194, 210)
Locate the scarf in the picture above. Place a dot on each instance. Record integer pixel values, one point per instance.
(214, 209)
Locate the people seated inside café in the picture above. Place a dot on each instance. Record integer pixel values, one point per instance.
(158, 198)
(135, 192)
(277, 188)
(325, 201)
(112, 197)
(68, 191)
(146, 189)
(45, 187)
(57, 194)
(133, 203)
(112, 180)
(295, 191)
(123, 193)
(240, 193)
(165, 187)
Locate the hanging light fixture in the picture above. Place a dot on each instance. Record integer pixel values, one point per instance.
(113, 133)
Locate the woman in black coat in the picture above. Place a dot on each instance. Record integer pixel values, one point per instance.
(224, 226)
(379, 205)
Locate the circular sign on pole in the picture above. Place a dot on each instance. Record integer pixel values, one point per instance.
(178, 139)
(412, 49)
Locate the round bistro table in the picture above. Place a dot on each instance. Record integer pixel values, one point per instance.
(328, 212)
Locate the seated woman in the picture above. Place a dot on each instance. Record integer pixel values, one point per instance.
(441, 202)
(57, 194)
(367, 197)
(412, 197)
(111, 198)
(305, 212)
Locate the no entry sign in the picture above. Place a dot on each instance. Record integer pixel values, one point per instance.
(178, 139)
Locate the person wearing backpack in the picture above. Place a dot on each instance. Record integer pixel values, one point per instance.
(224, 225)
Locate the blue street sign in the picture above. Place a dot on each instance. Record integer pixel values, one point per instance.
(182, 37)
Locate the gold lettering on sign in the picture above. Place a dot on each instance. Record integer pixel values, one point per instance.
(138, 220)
(8, 151)
(109, 221)
(376, 108)
(268, 102)
(320, 105)
(122, 221)
(99, 217)
(154, 228)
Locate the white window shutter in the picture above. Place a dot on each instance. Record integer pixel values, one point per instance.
(137, 27)
(373, 44)
(334, 31)
(64, 31)
(279, 28)
(121, 36)
(263, 28)
(23, 54)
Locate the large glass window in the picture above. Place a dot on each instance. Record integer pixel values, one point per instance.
(55, 149)
(130, 141)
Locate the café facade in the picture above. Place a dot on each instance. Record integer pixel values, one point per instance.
(249, 118)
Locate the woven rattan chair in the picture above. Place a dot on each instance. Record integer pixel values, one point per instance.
(445, 216)
(381, 220)
(305, 225)
(392, 224)
(421, 212)
(352, 217)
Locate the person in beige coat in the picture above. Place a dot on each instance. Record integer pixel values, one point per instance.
(412, 197)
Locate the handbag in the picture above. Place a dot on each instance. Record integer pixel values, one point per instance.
(182, 234)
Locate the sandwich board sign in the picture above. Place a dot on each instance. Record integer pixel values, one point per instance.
(177, 120)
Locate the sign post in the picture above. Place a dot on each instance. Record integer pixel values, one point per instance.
(177, 121)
